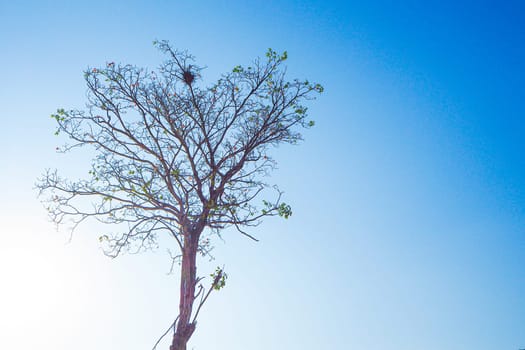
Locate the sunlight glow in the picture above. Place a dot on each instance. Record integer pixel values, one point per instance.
(40, 293)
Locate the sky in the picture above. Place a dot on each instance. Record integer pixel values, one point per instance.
(408, 196)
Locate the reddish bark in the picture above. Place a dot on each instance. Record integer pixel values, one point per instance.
(184, 328)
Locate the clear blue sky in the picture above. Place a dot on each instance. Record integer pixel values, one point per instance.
(409, 194)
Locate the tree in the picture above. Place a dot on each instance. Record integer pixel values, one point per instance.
(173, 158)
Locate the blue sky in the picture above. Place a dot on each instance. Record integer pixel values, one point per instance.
(408, 194)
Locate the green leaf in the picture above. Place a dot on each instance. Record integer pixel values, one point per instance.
(284, 210)
(219, 278)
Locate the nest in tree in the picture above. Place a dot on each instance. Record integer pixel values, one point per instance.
(188, 77)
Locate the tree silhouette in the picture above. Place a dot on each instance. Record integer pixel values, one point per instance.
(173, 158)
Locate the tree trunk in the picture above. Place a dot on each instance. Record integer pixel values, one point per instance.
(188, 278)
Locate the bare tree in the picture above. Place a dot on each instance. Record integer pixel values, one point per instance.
(173, 158)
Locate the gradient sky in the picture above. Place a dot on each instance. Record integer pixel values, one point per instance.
(408, 229)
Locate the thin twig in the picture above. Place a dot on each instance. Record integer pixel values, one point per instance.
(205, 297)
(167, 330)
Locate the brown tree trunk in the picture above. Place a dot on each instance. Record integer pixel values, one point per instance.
(184, 328)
